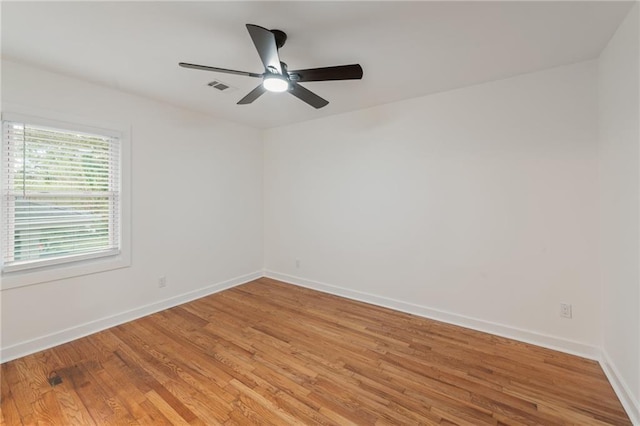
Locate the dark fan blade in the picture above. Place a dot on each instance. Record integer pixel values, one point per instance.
(265, 43)
(252, 95)
(340, 72)
(206, 68)
(307, 96)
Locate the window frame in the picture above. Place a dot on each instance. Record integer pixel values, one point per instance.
(82, 265)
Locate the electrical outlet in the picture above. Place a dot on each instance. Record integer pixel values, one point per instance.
(298, 263)
(162, 282)
(565, 310)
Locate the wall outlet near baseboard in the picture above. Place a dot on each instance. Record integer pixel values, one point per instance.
(297, 263)
(565, 310)
(162, 282)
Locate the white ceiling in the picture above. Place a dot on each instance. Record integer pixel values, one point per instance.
(407, 49)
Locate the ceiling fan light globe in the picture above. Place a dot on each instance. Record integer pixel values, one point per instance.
(275, 84)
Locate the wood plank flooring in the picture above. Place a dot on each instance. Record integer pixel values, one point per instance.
(272, 353)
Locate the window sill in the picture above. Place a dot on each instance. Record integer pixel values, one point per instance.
(45, 274)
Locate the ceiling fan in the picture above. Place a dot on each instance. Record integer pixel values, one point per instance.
(276, 77)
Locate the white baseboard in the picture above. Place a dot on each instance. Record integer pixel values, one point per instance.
(54, 339)
(527, 336)
(621, 388)
(552, 342)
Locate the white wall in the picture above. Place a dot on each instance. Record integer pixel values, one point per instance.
(477, 206)
(196, 212)
(619, 151)
(485, 206)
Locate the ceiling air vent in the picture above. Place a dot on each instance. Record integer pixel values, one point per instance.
(223, 87)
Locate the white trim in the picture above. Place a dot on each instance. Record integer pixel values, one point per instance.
(60, 121)
(29, 264)
(620, 387)
(551, 342)
(631, 406)
(44, 274)
(78, 268)
(54, 339)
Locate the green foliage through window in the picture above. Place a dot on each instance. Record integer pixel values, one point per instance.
(60, 194)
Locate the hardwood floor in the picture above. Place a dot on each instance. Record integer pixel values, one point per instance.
(272, 353)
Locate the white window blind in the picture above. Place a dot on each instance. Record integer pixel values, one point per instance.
(61, 195)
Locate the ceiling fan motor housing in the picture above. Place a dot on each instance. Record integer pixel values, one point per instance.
(281, 37)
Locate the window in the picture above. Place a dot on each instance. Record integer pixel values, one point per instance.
(61, 194)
